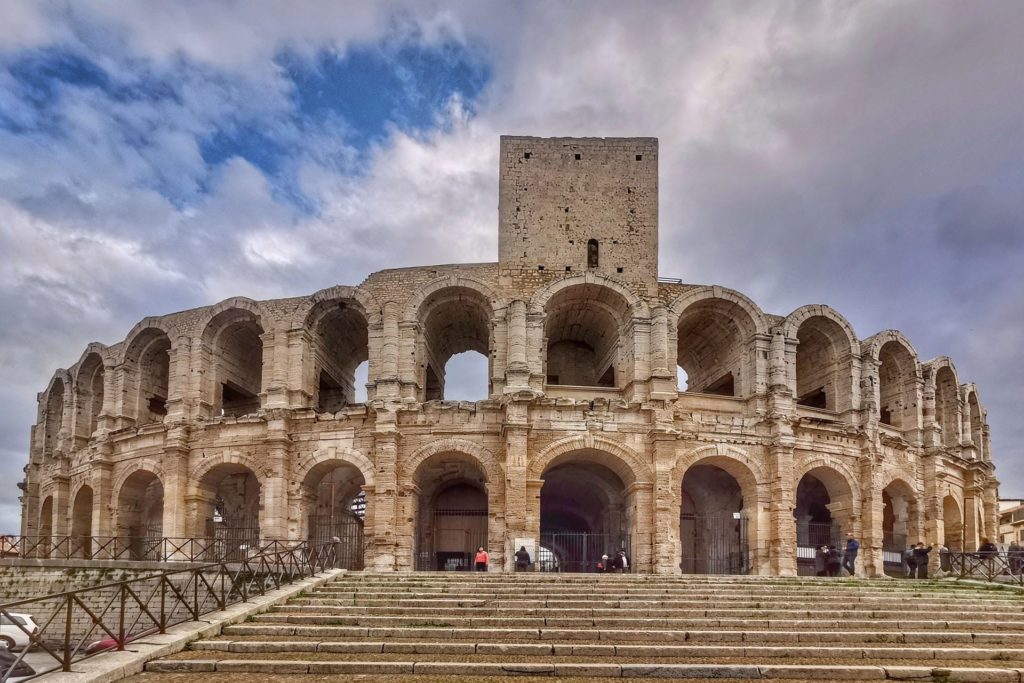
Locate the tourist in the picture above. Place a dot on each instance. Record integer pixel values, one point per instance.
(821, 560)
(833, 561)
(481, 559)
(908, 562)
(602, 565)
(1015, 557)
(945, 563)
(987, 548)
(850, 554)
(522, 559)
(621, 562)
(920, 560)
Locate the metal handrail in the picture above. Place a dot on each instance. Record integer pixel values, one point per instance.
(134, 548)
(124, 611)
(994, 565)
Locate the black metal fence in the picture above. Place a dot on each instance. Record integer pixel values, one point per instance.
(81, 623)
(581, 552)
(999, 566)
(714, 543)
(345, 530)
(449, 539)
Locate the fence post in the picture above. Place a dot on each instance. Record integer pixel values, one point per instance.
(120, 616)
(66, 664)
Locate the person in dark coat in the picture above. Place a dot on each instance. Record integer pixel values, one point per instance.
(820, 560)
(909, 568)
(833, 561)
(920, 560)
(850, 554)
(522, 559)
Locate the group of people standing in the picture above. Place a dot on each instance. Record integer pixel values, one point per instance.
(915, 561)
(830, 561)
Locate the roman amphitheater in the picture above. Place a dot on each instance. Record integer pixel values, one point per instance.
(677, 422)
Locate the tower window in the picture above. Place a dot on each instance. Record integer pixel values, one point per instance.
(577, 156)
(592, 254)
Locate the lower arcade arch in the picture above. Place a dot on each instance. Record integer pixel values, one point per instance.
(333, 509)
(715, 531)
(81, 523)
(585, 513)
(45, 526)
(952, 525)
(901, 526)
(140, 513)
(822, 513)
(226, 508)
(451, 510)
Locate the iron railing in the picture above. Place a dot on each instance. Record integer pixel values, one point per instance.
(81, 623)
(999, 565)
(136, 548)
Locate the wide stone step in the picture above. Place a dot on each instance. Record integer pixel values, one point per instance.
(896, 652)
(872, 635)
(305, 606)
(822, 672)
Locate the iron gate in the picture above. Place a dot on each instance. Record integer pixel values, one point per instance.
(234, 539)
(580, 552)
(811, 536)
(448, 541)
(714, 543)
(345, 530)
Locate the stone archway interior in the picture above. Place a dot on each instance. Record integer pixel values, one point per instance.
(81, 519)
(230, 506)
(712, 529)
(340, 346)
(584, 513)
(452, 513)
(582, 332)
(46, 518)
(140, 507)
(814, 523)
(336, 505)
(898, 510)
(952, 525)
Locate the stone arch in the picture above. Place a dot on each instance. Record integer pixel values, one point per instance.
(946, 387)
(329, 501)
(339, 334)
(139, 508)
(899, 375)
(625, 462)
(226, 494)
(150, 323)
(146, 366)
(330, 454)
(974, 420)
(901, 513)
(81, 520)
(711, 329)
(488, 463)
(232, 349)
(89, 390)
(953, 523)
(827, 345)
(55, 402)
(45, 525)
(204, 466)
(368, 303)
(539, 301)
(747, 471)
(454, 511)
(826, 503)
(454, 315)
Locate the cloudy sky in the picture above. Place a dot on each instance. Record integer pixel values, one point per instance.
(159, 156)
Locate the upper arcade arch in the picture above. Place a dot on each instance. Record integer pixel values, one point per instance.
(946, 388)
(974, 421)
(147, 375)
(340, 342)
(233, 358)
(823, 368)
(899, 379)
(620, 459)
(55, 405)
(90, 374)
(748, 473)
(713, 328)
(461, 449)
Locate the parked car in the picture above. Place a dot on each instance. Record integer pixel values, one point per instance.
(15, 630)
(11, 672)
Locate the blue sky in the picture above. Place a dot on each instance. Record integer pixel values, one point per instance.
(159, 156)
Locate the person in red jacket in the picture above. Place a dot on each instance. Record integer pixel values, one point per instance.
(481, 559)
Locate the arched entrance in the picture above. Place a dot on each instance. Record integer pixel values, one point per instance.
(900, 525)
(140, 515)
(585, 512)
(81, 523)
(228, 508)
(824, 502)
(45, 526)
(333, 497)
(712, 523)
(952, 525)
(451, 512)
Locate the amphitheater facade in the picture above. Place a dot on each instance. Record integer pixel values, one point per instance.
(240, 419)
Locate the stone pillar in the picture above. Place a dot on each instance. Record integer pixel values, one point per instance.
(517, 502)
(990, 495)
(872, 504)
(388, 526)
(179, 370)
(930, 509)
(300, 374)
(972, 533)
(61, 505)
(535, 350)
(518, 369)
(640, 495)
(666, 552)
(181, 517)
(274, 507)
(102, 495)
(409, 373)
(782, 532)
(532, 519)
(387, 379)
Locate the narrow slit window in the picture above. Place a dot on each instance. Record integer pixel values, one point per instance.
(592, 254)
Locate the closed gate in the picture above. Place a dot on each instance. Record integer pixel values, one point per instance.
(449, 539)
(714, 543)
(345, 531)
(580, 552)
(233, 539)
(811, 536)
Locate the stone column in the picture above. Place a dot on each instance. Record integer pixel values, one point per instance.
(181, 517)
(532, 520)
(387, 526)
(990, 495)
(641, 496)
(409, 373)
(518, 369)
(517, 502)
(102, 494)
(535, 350)
(387, 384)
(179, 408)
(782, 541)
(871, 531)
(274, 488)
(61, 504)
(666, 551)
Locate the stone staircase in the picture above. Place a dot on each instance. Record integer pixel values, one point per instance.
(576, 626)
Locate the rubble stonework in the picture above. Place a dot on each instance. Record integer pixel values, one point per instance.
(245, 410)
